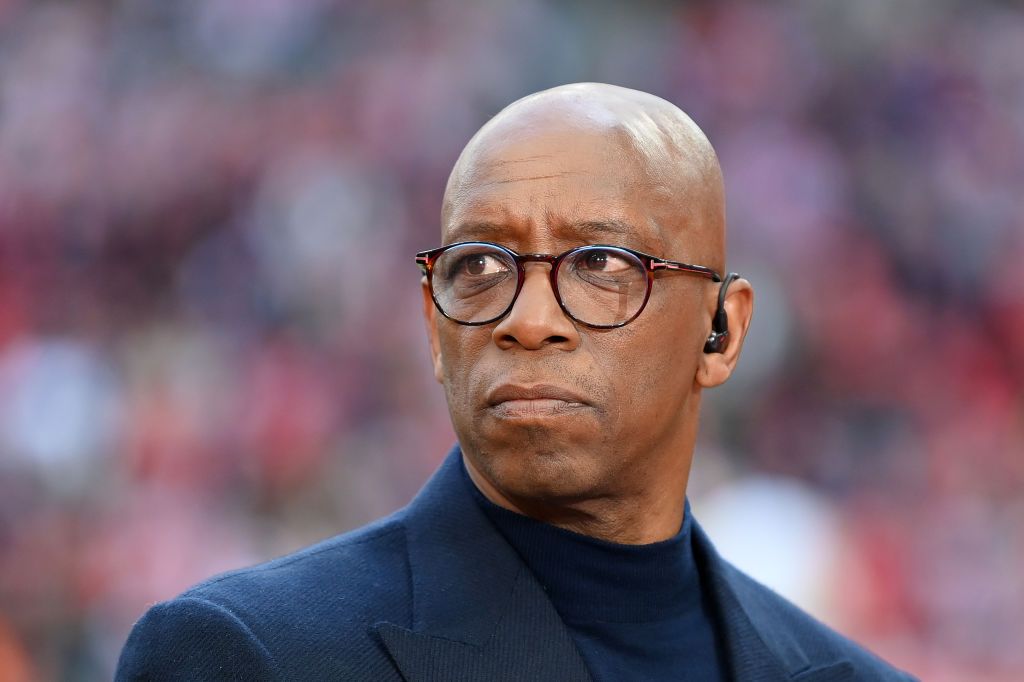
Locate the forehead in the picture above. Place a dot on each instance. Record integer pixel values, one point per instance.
(531, 189)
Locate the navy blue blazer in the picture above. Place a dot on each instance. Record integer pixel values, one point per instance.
(434, 592)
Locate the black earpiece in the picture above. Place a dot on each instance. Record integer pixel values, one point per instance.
(719, 337)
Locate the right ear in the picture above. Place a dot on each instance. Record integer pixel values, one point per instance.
(430, 317)
(716, 367)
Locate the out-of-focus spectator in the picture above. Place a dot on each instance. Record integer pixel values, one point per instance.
(210, 342)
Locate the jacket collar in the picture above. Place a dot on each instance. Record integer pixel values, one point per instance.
(757, 647)
(478, 612)
(476, 609)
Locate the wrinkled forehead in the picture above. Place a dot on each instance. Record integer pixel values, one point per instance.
(592, 153)
(551, 179)
(564, 171)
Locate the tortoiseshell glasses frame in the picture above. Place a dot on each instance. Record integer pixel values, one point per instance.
(636, 259)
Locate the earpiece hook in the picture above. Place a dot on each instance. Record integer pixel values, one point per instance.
(719, 337)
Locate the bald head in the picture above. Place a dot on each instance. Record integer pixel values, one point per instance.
(553, 411)
(635, 132)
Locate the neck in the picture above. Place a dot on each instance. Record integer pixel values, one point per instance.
(651, 514)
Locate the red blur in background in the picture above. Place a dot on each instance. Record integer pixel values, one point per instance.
(211, 343)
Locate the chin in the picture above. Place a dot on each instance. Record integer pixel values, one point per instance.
(538, 472)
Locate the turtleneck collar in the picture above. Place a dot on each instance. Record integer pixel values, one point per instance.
(588, 579)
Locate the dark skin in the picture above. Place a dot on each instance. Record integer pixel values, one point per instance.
(604, 444)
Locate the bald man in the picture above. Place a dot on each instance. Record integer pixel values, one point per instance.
(576, 310)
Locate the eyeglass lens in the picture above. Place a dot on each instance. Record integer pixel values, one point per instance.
(599, 286)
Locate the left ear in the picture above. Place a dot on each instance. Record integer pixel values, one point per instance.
(430, 317)
(714, 369)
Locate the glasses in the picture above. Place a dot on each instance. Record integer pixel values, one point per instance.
(476, 283)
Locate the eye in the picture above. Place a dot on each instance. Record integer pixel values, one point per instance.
(473, 265)
(598, 260)
(481, 264)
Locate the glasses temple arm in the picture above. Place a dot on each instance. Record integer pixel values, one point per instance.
(684, 267)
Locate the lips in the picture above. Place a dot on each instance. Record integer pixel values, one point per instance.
(509, 393)
(510, 402)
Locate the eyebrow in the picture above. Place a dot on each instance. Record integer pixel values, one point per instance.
(618, 228)
(471, 231)
(590, 229)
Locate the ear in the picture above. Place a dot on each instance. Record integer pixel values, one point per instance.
(715, 368)
(430, 317)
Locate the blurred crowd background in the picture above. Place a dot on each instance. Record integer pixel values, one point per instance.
(211, 346)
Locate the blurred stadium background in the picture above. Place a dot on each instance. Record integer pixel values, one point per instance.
(211, 349)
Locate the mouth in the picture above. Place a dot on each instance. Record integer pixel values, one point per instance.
(542, 400)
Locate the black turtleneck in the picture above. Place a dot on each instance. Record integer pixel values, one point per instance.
(636, 612)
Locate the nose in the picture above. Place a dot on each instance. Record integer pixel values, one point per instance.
(536, 320)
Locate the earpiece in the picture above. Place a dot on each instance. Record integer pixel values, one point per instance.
(719, 337)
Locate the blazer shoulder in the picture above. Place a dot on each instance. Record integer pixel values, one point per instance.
(307, 612)
(359, 576)
(791, 631)
(190, 639)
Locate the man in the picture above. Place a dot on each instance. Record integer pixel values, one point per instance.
(576, 312)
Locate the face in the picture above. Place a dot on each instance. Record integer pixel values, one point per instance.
(544, 407)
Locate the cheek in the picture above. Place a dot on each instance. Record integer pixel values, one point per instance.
(462, 349)
(650, 370)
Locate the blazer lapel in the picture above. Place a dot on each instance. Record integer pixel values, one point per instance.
(756, 652)
(478, 612)
(842, 671)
